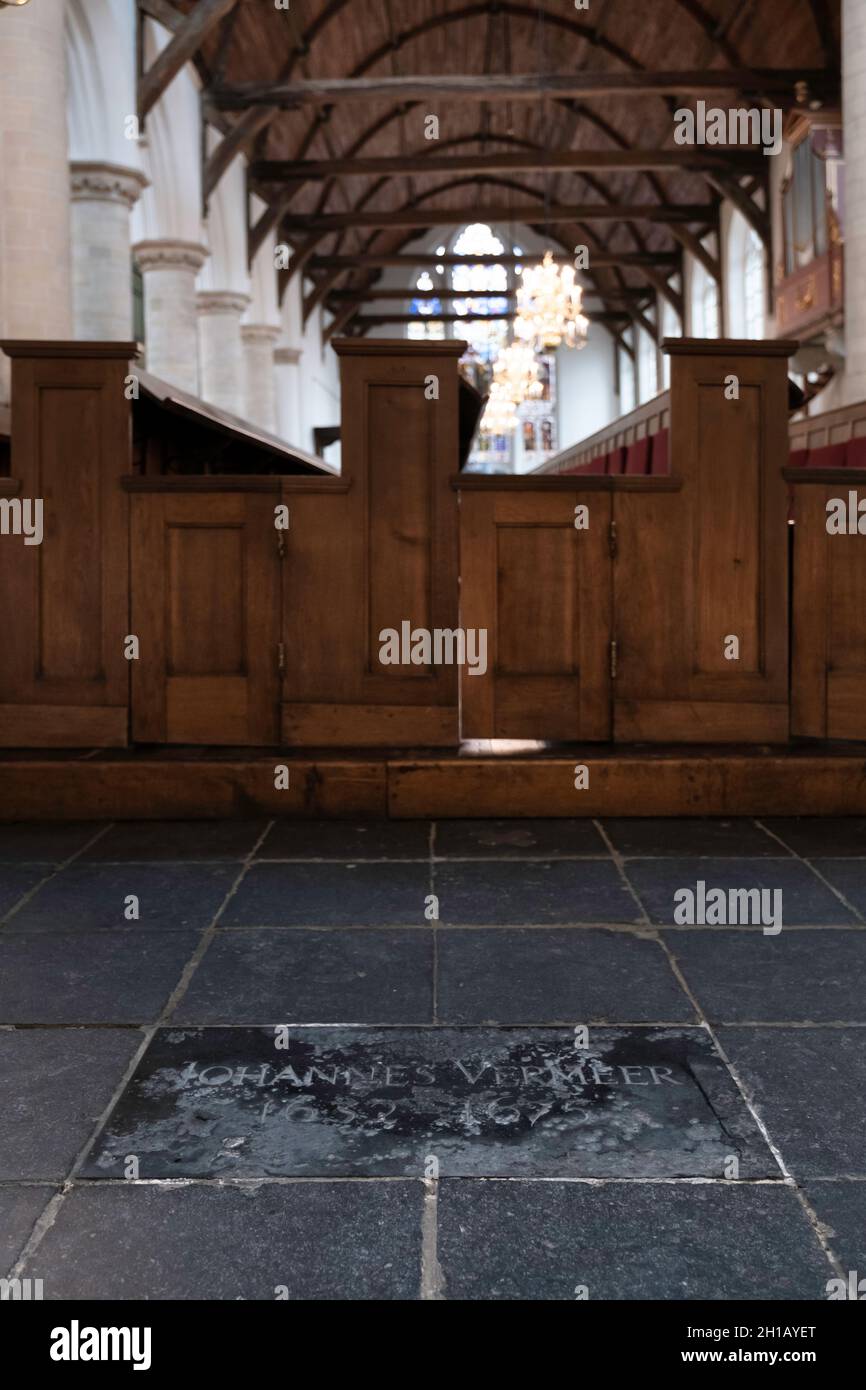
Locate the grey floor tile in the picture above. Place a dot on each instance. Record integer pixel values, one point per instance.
(16, 881)
(512, 893)
(795, 977)
(820, 835)
(307, 976)
(54, 1085)
(349, 840)
(508, 839)
(806, 901)
(689, 836)
(520, 1240)
(553, 976)
(20, 1207)
(93, 897)
(808, 1085)
(841, 1209)
(139, 840)
(848, 877)
(334, 894)
(347, 1241)
(51, 842)
(90, 977)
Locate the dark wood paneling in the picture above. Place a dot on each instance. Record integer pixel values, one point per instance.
(64, 649)
(206, 609)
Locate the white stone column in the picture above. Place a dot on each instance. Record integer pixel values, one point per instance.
(223, 382)
(288, 388)
(854, 135)
(259, 341)
(35, 279)
(171, 324)
(103, 196)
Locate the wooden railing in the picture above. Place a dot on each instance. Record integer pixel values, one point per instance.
(648, 419)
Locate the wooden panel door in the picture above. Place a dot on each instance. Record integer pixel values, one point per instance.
(205, 580)
(828, 675)
(541, 590)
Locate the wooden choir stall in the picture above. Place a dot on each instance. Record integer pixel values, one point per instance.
(200, 584)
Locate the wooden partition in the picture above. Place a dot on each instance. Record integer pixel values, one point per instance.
(645, 609)
(707, 562)
(375, 550)
(540, 588)
(64, 678)
(828, 678)
(206, 607)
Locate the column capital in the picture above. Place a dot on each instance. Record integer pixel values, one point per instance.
(221, 301)
(106, 183)
(260, 332)
(284, 356)
(168, 254)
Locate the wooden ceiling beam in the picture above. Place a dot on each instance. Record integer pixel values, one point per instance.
(601, 260)
(360, 296)
(368, 320)
(780, 83)
(455, 217)
(188, 39)
(684, 159)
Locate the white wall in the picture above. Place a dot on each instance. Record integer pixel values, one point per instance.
(587, 400)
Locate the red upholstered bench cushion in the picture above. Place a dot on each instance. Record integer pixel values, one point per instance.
(659, 454)
(856, 455)
(595, 465)
(615, 460)
(637, 457)
(828, 456)
(797, 458)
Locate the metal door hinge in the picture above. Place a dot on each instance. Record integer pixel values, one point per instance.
(613, 661)
(611, 540)
(281, 658)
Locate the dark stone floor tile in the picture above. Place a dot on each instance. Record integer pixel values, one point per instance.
(848, 877)
(795, 977)
(92, 898)
(347, 1241)
(508, 839)
(808, 1085)
(806, 901)
(521, 1240)
(335, 894)
(336, 1102)
(139, 840)
(16, 881)
(19, 1209)
(512, 893)
(90, 977)
(53, 1087)
(556, 976)
(349, 840)
(820, 835)
(308, 976)
(52, 842)
(841, 1209)
(692, 836)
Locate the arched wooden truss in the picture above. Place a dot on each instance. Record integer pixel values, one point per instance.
(333, 188)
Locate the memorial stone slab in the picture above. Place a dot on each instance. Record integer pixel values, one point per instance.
(483, 1102)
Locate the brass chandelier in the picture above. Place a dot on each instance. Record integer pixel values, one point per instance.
(550, 307)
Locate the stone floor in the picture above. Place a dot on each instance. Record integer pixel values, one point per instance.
(541, 924)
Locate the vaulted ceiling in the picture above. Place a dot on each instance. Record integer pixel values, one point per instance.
(563, 120)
